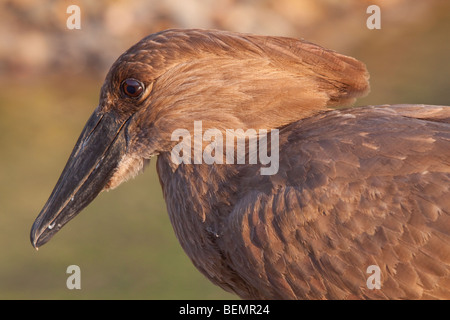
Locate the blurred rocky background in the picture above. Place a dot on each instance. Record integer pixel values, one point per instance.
(35, 42)
(50, 78)
(34, 39)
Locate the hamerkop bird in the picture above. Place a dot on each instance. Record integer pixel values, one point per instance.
(357, 205)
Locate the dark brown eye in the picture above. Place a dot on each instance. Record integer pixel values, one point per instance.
(132, 88)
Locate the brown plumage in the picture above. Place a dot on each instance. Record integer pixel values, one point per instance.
(354, 188)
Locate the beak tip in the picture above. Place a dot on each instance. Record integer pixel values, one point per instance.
(33, 242)
(41, 233)
(34, 237)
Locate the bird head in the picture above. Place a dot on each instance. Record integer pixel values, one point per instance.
(170, 79)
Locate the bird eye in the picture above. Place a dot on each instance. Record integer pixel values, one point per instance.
(132, 88)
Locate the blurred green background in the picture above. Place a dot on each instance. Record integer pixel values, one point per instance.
(50, 78)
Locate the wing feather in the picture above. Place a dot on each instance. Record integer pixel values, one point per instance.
(360, 187)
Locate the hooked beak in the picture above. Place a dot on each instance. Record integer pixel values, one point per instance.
(95, 157)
